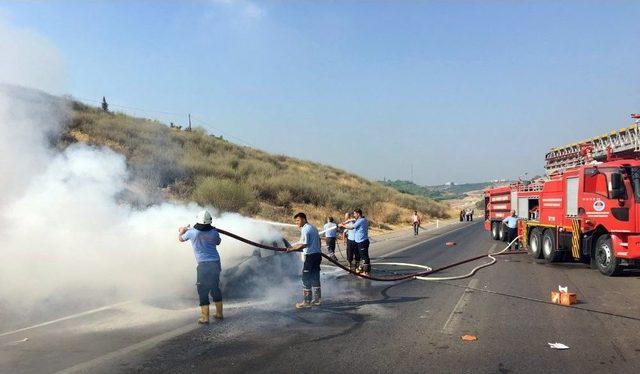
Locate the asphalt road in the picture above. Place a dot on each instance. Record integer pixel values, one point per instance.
(363, 326)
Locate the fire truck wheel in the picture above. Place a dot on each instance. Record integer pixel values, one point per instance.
(607, 263)
(549, 250)
(502, 232)
(535, 243)
(495, 230)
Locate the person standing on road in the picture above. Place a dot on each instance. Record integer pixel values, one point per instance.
(361, 228)
(471, 214)
(416, 222)
(309, 244)
(511, 223)
(330, 233)
(461, 215)
(350, 242)
(204, 240)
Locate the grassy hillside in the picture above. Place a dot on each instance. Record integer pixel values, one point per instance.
(438, 193)
(198, 166)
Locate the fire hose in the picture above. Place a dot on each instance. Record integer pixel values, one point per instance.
(421, 275)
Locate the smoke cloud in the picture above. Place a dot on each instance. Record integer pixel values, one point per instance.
(65, 237)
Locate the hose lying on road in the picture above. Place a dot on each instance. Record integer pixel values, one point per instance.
(422, 275)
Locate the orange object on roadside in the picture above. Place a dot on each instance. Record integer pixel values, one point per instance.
(469, 338)
(568, 298)
(563, 298)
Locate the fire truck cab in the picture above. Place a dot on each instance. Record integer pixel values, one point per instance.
(587, 209)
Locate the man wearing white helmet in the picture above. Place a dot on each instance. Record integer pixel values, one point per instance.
(204, 240)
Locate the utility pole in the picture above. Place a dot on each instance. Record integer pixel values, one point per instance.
(411, 172)
(189, 129)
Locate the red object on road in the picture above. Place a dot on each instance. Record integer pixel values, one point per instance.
(450, 244)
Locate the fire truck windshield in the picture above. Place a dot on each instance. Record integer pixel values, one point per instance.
(635, 182)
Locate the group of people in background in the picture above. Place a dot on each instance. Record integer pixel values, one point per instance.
(466, 214)
(355, 229)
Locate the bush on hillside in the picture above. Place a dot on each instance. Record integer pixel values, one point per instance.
(225, 195)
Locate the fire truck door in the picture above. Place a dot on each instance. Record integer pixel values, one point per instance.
(571, 197)
(514, 202)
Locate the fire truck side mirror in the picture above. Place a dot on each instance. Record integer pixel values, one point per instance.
(617, 186)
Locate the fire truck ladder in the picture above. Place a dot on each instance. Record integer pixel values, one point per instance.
(625, 141)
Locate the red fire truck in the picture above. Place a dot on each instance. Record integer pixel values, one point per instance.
(586, 209)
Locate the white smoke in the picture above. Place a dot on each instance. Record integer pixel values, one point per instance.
(64, 236)
(65, 233)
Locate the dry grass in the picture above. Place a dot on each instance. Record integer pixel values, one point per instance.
(209, 170)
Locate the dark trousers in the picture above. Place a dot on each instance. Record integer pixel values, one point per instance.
(352, 251)
(511, 234)
(311, 271)
(209, 282)
(331, 245)
(363, 249)
(416, 225)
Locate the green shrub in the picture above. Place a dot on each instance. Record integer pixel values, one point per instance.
(224, 194)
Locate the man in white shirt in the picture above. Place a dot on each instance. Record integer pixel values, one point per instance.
(330, 233)
(511, 224)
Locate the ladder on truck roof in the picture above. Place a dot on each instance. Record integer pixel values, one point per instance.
(623, 142)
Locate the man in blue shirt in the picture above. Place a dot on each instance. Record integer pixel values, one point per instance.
(330, 233)
(361, 228)
(309, 244)
(204, 240)
(350, 240)
(511, 224)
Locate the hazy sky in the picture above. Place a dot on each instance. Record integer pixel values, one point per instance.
(463, 90)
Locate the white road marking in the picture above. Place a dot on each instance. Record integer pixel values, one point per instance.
(65, 318)
(454, 319)
(85, 366)
(243, 304)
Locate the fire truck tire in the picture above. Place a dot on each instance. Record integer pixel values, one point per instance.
(502, 232)
(607, 263)
(495, 234)
(535, 243)
(549, 250)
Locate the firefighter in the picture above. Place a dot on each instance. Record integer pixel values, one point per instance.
(330, 233)
(511, 223)
(461, 215)
(471, 214)
(309, 244)
(204, 240)
(350, 240)
(361, 228)
(416, 222)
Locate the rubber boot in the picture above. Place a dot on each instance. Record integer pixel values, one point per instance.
(366, 269)
(317, 294)
(218, 314)
(358, 267)
(204, 314)
(306, 300)
(351, 267)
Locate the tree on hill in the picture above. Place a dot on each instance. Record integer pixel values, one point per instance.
(105, 106)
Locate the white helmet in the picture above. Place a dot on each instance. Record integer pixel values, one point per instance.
(204, 218)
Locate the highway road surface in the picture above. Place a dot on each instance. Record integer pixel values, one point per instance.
(362, 326)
